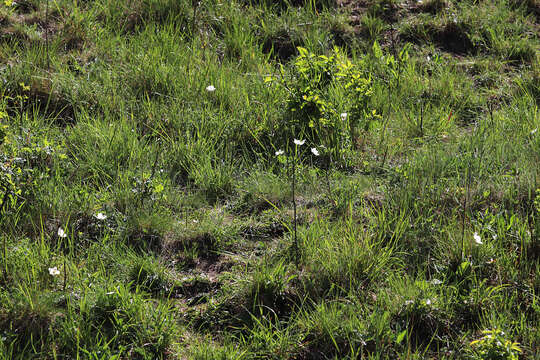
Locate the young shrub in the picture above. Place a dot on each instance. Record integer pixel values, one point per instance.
(327, 101)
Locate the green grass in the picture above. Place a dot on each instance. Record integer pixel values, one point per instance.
(417, 224)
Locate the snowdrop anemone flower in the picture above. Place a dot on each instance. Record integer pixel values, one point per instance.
(343, 116)
(54, 271)
(299, 142)
(210, 88)
(61, 233)
(315, 151)
(477, 239)
(280, 152)
(100, 216)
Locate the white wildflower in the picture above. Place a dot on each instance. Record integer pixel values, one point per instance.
(436, 282)
(315, 151)
(280, 152)
(477, 238)
(343, 116)
(100, 216)
(210, 88)
(54, 271)
(534, 131)
(299, 142)
(61, 233)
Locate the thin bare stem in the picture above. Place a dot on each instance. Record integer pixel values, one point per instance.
(65, 276)
(464, 209)
(47, 34)
(422, 119)
(295, 239)
(329, 188)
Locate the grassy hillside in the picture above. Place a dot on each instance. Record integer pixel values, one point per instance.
(269, 179)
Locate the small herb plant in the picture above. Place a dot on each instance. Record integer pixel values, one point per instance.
(494, 346)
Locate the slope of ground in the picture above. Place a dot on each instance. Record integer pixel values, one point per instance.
(269, 179)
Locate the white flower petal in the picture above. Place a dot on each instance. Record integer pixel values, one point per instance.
(477, 239)
(61, 233)
(299, 142)
(280, 152)
(343, 116)
(315, 151)
(100, 216)
(54, 271)
(210, 88)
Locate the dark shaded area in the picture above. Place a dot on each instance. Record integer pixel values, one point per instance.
(452, 37)
(204, 246)
(24, 327)
(432, 7)
(41, 98)
(263, 232)
(25, 6)
(426, 324)
(133, 16)
(282, 45)
(282, 5)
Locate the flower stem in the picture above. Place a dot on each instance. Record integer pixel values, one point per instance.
(65, 276)
(5, 267)
(295, 239)
(47, 35)
(329, 188)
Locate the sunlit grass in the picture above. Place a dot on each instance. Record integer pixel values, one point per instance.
(154, 180)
